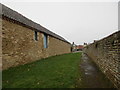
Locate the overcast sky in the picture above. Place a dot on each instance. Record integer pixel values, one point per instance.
(77, 22)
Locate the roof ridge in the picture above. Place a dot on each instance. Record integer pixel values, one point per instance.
(12, 14)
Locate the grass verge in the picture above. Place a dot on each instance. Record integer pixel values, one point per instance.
(53, 72)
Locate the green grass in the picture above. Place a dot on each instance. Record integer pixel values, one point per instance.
(53, 72)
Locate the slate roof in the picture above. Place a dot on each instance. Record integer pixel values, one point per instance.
(9, 13)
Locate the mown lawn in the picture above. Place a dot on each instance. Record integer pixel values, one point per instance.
(54, 72)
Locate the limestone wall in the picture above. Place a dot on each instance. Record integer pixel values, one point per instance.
(19, 46)
(0, 45)
(106, 54)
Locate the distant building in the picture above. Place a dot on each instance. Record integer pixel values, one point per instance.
(77, 47)
(80, 47)
(74, 47)
(85, 44)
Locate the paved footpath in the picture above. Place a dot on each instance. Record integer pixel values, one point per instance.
(91, 76)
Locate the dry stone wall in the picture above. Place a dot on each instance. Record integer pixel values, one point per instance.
(106, 54)
(19, 46)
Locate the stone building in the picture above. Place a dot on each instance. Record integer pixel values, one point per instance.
(24, 41)
(74, 47)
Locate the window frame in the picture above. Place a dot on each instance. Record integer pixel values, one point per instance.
(45, 41)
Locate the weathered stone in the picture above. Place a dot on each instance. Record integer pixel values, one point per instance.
(107, 56)
(19, 46)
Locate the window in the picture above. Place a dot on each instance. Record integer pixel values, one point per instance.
(36, 35)
(45, 40)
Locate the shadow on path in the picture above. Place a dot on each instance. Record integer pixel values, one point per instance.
(91, 76)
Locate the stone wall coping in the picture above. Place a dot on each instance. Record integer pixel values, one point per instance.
(106, 37)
